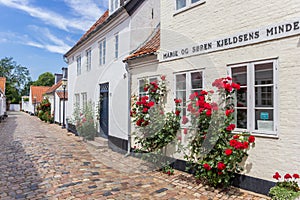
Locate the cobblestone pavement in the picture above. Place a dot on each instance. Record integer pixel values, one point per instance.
(40, 161)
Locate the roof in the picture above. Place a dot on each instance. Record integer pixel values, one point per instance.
(60, 94)
(151, 46)
(38, 91)
(2, 84)
(129, 6)
(54, 87)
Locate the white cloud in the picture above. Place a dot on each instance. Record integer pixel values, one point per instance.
(86, 11)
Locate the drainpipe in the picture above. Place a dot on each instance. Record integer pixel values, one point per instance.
(129, 108)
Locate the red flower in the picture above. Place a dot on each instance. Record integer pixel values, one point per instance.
(296, 175)
(177, 101)
(228, 152)
(203, 92)
(163, 77)
(221, 166)
(228, 112)
(287, 176)
(230, 127)
(233, 143)
(179, 138)
(185, 120)
(208, 113)
(277, 176)
(145, 110)
(146, 89)
(236, 86)
(139, 122)
(150, 104)
(206, 166)
(229, 78)
(177, 112)
(211, 91)
(236, 137)
(185, 131)
(192, 96)
(245, 145)
(214, 106)
(251, 139)
(227, 87)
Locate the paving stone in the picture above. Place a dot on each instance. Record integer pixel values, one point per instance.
(40, 161)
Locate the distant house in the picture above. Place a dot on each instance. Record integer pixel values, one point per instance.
(35, 98)
(2, 98)
(56, 96)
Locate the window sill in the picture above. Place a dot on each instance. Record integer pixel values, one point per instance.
(259, 134)
(188, 7)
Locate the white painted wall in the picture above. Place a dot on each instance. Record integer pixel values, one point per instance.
(14, 107)
(219, 19)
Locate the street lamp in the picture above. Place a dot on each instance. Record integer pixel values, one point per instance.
(64, 85)
(34, 107)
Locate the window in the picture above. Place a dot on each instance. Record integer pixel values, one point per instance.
(102, 52)
(255, 102)
(186, 84)
(88, 60)
(78, 59)
(117, 45)
(114, 4)
(84, 99)
(142, 84)
(181, 4)
(77, 100)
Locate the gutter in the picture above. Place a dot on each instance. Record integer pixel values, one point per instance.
(129, 108)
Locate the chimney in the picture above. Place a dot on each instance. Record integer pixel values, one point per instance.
(58, 77)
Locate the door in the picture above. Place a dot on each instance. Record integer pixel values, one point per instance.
(104, 112)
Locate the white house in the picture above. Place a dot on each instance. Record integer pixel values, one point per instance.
(35, 98)
(2, 98)
(95, 67)
(203, 40)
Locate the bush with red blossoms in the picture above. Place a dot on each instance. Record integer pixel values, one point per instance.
(215, 153)
(154, 127)
(288, 189)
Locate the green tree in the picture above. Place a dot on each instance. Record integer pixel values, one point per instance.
(45, 79)
(17, 77)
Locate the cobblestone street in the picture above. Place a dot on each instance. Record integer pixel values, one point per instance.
(40, 161)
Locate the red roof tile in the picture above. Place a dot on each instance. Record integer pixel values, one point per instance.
(94, 26)
(2, 84)
(151, 46)
(54, 87)
(38, 91)
(60, 94)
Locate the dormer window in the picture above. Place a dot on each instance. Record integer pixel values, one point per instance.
(114, 5)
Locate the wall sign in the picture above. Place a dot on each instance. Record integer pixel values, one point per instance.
(250, 37)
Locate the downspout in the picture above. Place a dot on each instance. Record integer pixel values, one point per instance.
(129, 108)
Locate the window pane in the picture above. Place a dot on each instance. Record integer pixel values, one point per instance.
(196, 79)
(264, 74)
(194, 1)
(264, 119)
(152, 80)
(100, 53)
(116, 46)
(241, 116)
(141, 86)
(181, 82)
(104, 51)
(264, 96)
(241, 97)
(180, 4)
(239, 75)
(182, 95)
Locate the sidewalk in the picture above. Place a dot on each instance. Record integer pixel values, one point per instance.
(42, 161)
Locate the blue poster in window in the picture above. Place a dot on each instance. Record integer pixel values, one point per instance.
(264, 115)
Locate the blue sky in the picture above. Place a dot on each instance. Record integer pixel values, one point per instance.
(36, 33)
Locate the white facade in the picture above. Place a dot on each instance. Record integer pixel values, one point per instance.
(218, 39)
(2, 105)
(86, 85)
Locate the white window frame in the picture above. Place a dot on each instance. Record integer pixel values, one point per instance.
(117, 41)
(251, 100)
(188, 87)
(77, 99)
(189, 4)
(78, 63)
(84, 99)
(88, 59)
(102, 52)
(147, 79)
